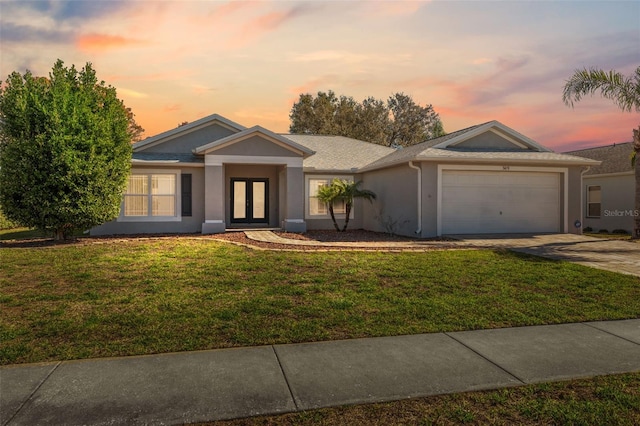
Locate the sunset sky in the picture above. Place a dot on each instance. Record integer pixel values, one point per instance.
(474, 61)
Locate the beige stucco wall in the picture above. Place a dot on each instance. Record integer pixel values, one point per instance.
(185, 143)
(191, 224)
(617, 205)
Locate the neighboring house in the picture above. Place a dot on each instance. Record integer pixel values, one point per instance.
(213, 174)
(609, 189)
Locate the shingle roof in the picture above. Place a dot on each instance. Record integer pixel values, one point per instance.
(615, 158)
(338, 153)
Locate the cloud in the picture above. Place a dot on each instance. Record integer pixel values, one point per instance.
(102, 42)
(172, 107)
(131, 93)
(395, 8)
(266, 23)
(330, 56)
(82, 9)
(16, 33)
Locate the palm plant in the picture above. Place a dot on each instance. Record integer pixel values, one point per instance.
(625, 93)
(346, 191)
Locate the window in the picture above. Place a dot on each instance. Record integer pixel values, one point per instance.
(151, 196)
(317, 208)
(594, 199)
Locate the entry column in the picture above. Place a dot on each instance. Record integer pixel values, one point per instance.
(294, 215)
(214, 200)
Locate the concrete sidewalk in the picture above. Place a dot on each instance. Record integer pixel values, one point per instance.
(232, 383)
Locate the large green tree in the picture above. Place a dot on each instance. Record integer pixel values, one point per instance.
(65, 150)
(398, 122)
(625, 93)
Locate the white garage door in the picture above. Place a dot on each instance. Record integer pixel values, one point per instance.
(482, 202)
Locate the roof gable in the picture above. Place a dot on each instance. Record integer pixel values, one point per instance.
(254, 134)
(491, 136)
(190, 135)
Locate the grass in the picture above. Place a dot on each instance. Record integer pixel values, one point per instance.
(109, 298)
(21, 234)
(606, 400)
(623, 237)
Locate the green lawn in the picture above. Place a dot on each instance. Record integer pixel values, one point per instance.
(109, 298)
(20, 234)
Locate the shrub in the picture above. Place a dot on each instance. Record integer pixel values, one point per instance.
(588, 229)
(620, 231)
(6, 223)
(603, 231)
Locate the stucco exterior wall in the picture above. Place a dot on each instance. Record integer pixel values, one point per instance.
(189, 141)
(429, 200)
(574, 204)
(488, 140)
(617, 206)
(395, 209)
(253, 171)
(256, 145)
(192, 224)
(359, 206)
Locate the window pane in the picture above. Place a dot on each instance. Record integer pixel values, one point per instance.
(339, 207)
(317, 207)
(163, 205)
(136, 205)
(163, 184)
(593, 210)
(239, 199)
(594, 194)
(137, 184)
(259, 192)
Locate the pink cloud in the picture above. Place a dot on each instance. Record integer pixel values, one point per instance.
(101, 42)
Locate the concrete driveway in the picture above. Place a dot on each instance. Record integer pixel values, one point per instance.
(601, 253)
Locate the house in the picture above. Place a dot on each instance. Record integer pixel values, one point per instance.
(609, 188)
(214, 174)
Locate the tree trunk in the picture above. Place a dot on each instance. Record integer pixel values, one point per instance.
(333, 217)
(346, 217)
(58, 235)
(636, 220)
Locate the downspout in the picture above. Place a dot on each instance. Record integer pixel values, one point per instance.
(419, 230)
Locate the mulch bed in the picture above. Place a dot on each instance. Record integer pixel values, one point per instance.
(356, 235)
(330, 236)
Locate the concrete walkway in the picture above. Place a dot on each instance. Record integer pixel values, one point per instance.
(608, 254)
(233, 383)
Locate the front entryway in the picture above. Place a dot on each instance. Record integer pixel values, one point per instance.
(249, 200)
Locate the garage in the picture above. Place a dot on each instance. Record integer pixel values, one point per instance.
(484, 202)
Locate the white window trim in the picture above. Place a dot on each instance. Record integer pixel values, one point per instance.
(307, 205)
(589, 202)
(178, 199)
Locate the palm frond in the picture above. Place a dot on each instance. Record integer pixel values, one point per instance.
(623, 91)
